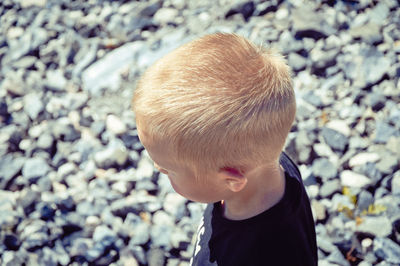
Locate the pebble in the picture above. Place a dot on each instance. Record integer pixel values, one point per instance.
(115, 125)
(33, 105)
(352, 179)
(387, 250)
(174, 204)
(79, 187)
(378, 226)
(329, 187)
(105, 73)
(395, 185)
(165, 15)
(363, 158)
(334, 139)
(323, 168)
(35, 168)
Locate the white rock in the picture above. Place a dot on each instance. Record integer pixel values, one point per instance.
(351, 179)
(363, 158)
(29, 3)
(33, 105)
(340, 126)
(165, 15)
(115, 125)
(174, 204)
(106, 72)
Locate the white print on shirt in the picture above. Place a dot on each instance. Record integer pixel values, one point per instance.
(200, 233)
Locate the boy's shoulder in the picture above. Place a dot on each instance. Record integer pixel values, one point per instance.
(279, 235)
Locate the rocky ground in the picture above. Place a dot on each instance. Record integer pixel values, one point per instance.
(76, 186)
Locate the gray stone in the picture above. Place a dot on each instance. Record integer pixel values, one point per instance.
(160, 235)
(375, 100)
(11, 258)
(384, 131)
(364, 200)
(369, 33)
(140, 234)
(104, 235)
(112, 156)
(8, 219)
(297, 62)
(315, 26)
(84, 59)
(55, 80)
(35, 240)
(9, 168)
(33, 105)
(323, 168)
(63, 130)
(387, 250)
(105, 73)
(337, 257)
(377, 226)
(313, 98)
(368, 68)
(155, 257)
(35, 168)
(379, 13)
(334, 139)
(395, 185)
(388, 163)
(329, 187)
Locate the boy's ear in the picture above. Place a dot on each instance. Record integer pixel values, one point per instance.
(233, 178)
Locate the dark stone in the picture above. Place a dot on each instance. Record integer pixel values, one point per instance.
(130, 140)
(246, 9)
(14, 140)
(67, 204)
(46, 210)
(375, 100)
(3, 111)
(11, 242)
(266, 7)
(70, 228)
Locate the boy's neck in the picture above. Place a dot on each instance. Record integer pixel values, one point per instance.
(265, 188)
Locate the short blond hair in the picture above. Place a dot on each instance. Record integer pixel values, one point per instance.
(220, 101)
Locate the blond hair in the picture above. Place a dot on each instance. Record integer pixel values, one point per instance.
(220, 101)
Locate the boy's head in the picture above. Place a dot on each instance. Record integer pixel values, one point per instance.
(218, 102)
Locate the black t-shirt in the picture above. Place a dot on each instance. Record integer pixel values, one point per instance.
(283, 235)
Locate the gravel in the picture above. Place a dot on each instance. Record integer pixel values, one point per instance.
(78, 188)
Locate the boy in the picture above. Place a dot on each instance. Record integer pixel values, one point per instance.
(214, 115)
